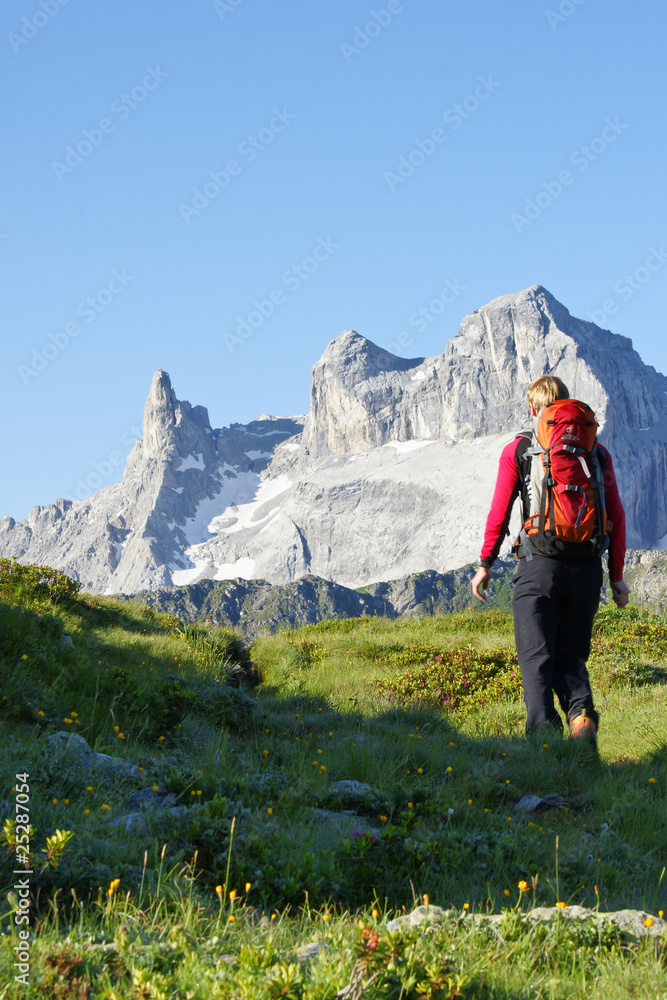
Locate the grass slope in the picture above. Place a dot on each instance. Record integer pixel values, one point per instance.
(249, 848)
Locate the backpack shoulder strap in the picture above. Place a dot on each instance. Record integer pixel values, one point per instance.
(524, 440)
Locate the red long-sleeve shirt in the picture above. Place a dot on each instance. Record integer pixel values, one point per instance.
(507, 489)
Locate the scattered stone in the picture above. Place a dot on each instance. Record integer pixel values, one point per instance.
(147, 798)
(326, 815)
(637, 923)
(307, 951)
(528, 804)
(132, 823)
(69, 744)
(73, 751)
(142, 822)
(353, 789)
(554, 799)
(65, 640)
(421, 915)
(533, 803)
(106, 947)
(629, 921)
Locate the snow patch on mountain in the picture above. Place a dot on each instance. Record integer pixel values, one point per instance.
(192, 462)
(390, 473)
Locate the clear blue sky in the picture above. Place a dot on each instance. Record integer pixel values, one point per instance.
(314, 116)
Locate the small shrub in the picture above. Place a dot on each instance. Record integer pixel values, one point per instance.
(457, 680)
(37, 580)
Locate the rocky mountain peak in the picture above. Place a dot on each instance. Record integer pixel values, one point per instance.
(173, 429)
(362, 396)
(354, 355)
(391, 473)
(159, 415)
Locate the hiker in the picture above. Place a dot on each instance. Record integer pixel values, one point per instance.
(570, 517)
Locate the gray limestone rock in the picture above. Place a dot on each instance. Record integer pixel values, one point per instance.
(646, 576)
(632, 922)
(142, 822)
(528, 804)
(533, 803)
(147, 798)
(637, 923)
(73, 751)
(307, 951)
(420, 915)
(351, 789)
(389, 476)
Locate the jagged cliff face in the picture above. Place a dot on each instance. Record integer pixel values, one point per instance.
(391, 474)
(362, 397)
(133, 535)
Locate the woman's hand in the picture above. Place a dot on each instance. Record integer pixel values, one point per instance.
(481, 579)
(620, 593)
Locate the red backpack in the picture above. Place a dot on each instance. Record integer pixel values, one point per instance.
(562, 475)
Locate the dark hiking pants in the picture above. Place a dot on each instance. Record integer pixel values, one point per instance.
(554, 603)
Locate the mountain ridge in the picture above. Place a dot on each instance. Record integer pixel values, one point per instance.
(390, 473)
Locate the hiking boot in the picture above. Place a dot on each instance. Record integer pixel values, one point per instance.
(583, 728)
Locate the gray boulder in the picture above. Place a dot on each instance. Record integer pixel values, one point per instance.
(637, 923)
(71, 750)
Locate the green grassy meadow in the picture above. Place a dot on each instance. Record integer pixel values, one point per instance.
(249, 849)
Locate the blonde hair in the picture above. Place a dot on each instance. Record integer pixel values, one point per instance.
(545, 390)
